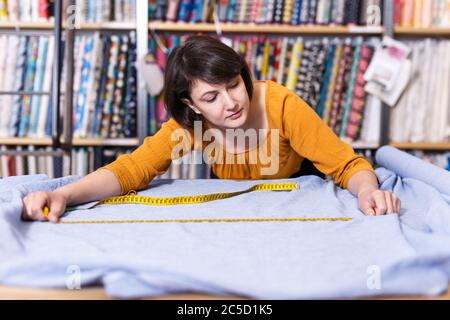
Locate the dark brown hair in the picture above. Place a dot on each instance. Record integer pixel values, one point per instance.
(200, 58)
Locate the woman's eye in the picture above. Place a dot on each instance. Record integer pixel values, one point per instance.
(211, 100)
(235, 85)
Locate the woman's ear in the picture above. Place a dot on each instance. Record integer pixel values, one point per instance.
(190, 105)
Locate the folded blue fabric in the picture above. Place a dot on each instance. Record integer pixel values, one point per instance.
(368, 256)
(408, 166)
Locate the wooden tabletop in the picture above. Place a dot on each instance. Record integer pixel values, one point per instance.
(97, 293)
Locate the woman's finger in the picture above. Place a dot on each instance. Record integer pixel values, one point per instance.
(56, 209)
(394, 202)
(367, 209)
(36, 205)
(380, 202)
(389, 202)
(398, 205)
(25, 208)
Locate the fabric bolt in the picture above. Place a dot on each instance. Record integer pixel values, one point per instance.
(346, 104)
(326, 78)
(276, 65)
(287, 59)
(281, 60)
(333, 80)
(302, 86)
(304, 10)
(116, 119)
(312, 10)
(317, 71)
(294, 65)
(359, 95)
(341, 85)
(349, 55)
(420, 103)
(337, 11)
(129, 112)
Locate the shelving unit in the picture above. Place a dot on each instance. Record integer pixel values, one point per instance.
(67, 141)
(422, 146)
(274, 29)
(401, 32)
(122, 142)
(55, 28)
(265, 28)
(13, 25)
(49, 25)
(422, 32)
(388, 29)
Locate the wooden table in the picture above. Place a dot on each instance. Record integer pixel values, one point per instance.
(97, 293)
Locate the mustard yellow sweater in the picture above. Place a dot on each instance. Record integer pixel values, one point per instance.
(301, 134)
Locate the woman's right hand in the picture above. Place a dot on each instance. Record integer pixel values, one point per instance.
(34, 203)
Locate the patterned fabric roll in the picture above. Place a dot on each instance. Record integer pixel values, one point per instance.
(353, 129)
(330, 51)
(287, 11)
(294, 67)
(287, 59)
(116, 123)
(312, 10)
(18, 86)
(278, 11)
(110, 85)
(304, 12)
(302, 88)
(276, 65)
(331, 87)
(129, 108)
(296, 12)
(341, 87)
(317, 72)
(351, 86)
(337, 11)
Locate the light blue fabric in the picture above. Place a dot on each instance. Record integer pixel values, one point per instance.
(409, 252)
(408, 166)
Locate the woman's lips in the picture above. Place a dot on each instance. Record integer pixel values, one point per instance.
(235, 115)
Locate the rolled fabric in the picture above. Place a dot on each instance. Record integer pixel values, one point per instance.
(408, 166)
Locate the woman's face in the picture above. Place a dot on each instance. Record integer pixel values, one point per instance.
(224, 106)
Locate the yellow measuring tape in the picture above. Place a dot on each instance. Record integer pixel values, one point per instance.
(204, 220)
(133, 198)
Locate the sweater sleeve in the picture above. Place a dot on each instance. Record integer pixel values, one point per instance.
(152, 158)
(311, 138)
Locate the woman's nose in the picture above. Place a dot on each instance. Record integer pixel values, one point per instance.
(229, 101)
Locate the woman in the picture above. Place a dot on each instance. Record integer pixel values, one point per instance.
(209, 94)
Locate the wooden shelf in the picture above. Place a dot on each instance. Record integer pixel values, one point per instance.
(422, 146)
(108, 26)
(128, 142)
(429, 32)
(48, 25)
(26, 141)
(125, 142)
(263, 28)
(44, 25)
(365, 145)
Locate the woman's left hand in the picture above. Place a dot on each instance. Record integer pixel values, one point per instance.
(378, 202)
